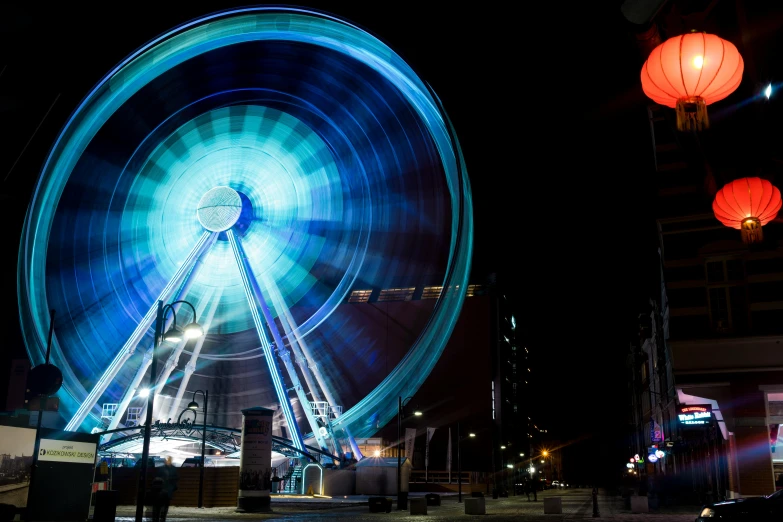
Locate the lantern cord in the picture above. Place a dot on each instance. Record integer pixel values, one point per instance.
(752, 231)
(692, 114)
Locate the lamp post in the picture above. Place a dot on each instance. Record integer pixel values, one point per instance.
(191, 331)
(400, 405)
(194, 406)
(459, 461)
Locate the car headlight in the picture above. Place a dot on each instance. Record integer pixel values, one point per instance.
(707, 513)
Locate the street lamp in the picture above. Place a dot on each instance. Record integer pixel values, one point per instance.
(194, 406)
(191, 331)
(400, 405)
(459, 461)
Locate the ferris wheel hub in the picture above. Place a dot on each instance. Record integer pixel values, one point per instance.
(219, 209)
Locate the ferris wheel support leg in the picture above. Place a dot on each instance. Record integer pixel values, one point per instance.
(354, 447)
(289, 326)
(284, 314)
(131, 390)
(204, 242)
(285, 356)
(191, 366)
(171, 362)
(271, 361)
(170, 319)
(309, 368)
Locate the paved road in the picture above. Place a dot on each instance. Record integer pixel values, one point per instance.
(16, 497)
(577, 504)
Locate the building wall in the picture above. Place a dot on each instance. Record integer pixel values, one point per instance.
(725, 310)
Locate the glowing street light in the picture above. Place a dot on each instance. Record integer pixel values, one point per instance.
(768, 91)
(521, 454)
(510, 466)
(192, 330)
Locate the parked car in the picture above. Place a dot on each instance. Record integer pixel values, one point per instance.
(757, 509)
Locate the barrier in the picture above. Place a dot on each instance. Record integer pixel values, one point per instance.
(475, 506)
(639, 505)
(380, 504)
(553, 506)
(418, 506)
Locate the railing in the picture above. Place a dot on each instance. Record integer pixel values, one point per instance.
(440, 477)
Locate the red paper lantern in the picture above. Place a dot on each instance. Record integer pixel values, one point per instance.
(747, 204)
(689, 72)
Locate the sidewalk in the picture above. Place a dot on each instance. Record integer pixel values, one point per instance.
(577, 505)
(11, 487)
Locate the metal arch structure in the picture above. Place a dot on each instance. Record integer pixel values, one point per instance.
(226, 440)
(261, 203)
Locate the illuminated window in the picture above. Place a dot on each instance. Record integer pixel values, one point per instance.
(396, 294)
(360, 296)
(431, 292)
(474, 290)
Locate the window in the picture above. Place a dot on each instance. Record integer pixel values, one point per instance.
(728, 309)
(715, 271)
(727, 270)
(474, 290)
(431, 292)
(396, 294)
(734, 270)
(360, 296)
(719, 309)
(727, 301)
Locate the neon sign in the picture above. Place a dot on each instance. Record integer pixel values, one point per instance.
(694, 414)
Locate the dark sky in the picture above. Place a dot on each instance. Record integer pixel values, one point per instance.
(547, 105)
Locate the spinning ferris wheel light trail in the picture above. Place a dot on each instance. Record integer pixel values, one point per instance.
(263, 164)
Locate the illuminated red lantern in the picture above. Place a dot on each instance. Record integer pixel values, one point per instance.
(747, 204)
(689, 72)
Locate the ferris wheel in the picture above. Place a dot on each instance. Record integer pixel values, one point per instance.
(262, 164)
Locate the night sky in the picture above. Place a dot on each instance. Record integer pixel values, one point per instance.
(549, 110)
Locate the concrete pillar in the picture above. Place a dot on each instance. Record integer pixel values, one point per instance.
(255, 461)
(751, 437)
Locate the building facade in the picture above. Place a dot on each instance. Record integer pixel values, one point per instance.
(725, 319)
(725, 297)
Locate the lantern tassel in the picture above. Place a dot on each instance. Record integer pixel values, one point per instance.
(751, 231)
(692, 114)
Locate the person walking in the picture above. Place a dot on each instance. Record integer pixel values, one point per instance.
(527, 486)
(163, 488)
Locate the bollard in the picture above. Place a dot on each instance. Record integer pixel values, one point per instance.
(595, 504)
